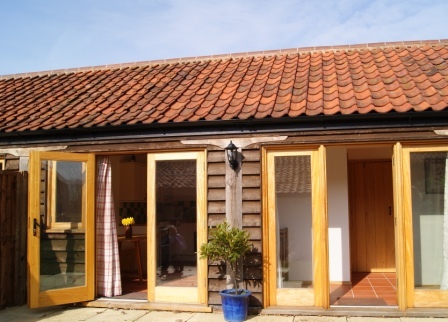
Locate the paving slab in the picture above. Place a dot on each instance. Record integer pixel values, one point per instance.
(409, 319)
(117, 315)
(24, 311)
(202, 317)
(25, 314)
(5, 318)
(320, 319)
(162, 316)
(368, 319)
(74, 314)
(270, 318)
(21, 319)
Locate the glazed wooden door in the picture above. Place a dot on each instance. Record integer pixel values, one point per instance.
(61, 228)
(425, 212)
(371, 217)
(177, 226)
(295, 228)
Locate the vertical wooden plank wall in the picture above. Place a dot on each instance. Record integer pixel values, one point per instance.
(13, 210)
(371, 217)
(251, 204)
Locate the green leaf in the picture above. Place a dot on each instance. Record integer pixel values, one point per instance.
(227, 244)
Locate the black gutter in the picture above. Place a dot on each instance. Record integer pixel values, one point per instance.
(229, 128)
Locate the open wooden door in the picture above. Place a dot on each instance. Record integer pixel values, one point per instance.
(296, 228)
(425, 222)
(61, 228)
(177, 227)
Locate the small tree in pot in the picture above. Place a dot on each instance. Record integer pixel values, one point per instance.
(229, 244)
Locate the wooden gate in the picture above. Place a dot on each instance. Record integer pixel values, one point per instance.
(13, 214)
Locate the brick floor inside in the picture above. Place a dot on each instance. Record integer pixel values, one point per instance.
(366, 289)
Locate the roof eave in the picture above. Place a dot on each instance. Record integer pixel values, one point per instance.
(228, 127)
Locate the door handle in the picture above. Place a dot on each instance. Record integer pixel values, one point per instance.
(35, 225)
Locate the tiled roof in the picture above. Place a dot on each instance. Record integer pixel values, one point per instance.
(378, 78)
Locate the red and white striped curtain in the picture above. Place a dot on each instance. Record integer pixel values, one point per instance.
(108, 259)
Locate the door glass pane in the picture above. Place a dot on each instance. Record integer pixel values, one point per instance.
(176, 223)
(294, 221)
(62, 247)
(69, 184)
(429, 219)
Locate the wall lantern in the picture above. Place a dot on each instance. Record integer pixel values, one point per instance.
(232, 156)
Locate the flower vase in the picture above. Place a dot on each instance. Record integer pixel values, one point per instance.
(128, 232)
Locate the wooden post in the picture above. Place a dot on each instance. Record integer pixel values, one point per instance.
(234, 178)
(234, 192)
(234, 182)
(234, 207)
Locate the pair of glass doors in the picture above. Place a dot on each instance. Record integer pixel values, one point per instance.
(61, 227)
(420, 210)
(295, 224)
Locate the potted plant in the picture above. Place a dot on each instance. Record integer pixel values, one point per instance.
(228, 244)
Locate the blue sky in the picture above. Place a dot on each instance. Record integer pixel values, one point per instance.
(43, 35)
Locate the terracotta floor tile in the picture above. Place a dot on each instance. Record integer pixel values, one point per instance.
(368, 289)
(390, 296)
(364, 295)
(362, 289)
(389, 288)
(390, 275)
(390, 300)
(350, 294)
(376, 275)
(362, 283)
(362, 302)
(379, 282)
(340, 287)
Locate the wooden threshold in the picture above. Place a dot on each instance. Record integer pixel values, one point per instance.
(356, 311)
(144, 305)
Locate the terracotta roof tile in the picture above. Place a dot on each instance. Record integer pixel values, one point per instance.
(291, 83)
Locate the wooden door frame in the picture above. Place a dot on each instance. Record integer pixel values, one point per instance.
(36, 298)
(185, 295)
(321, 289)
(412, 297)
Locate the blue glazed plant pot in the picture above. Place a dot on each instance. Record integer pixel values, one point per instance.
(235, 306)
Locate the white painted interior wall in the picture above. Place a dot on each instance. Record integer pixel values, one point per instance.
(294, 213)
(295, 210)
(338, 214)
(427, 219)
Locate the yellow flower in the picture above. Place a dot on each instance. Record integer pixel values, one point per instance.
(128, 221)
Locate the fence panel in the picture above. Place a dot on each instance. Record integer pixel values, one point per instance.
(13, 214)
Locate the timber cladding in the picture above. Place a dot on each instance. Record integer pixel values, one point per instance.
(251, 212)
(13, 213)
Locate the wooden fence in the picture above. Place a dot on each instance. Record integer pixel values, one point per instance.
(13, 218)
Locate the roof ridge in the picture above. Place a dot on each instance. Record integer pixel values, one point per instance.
(298, 50)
